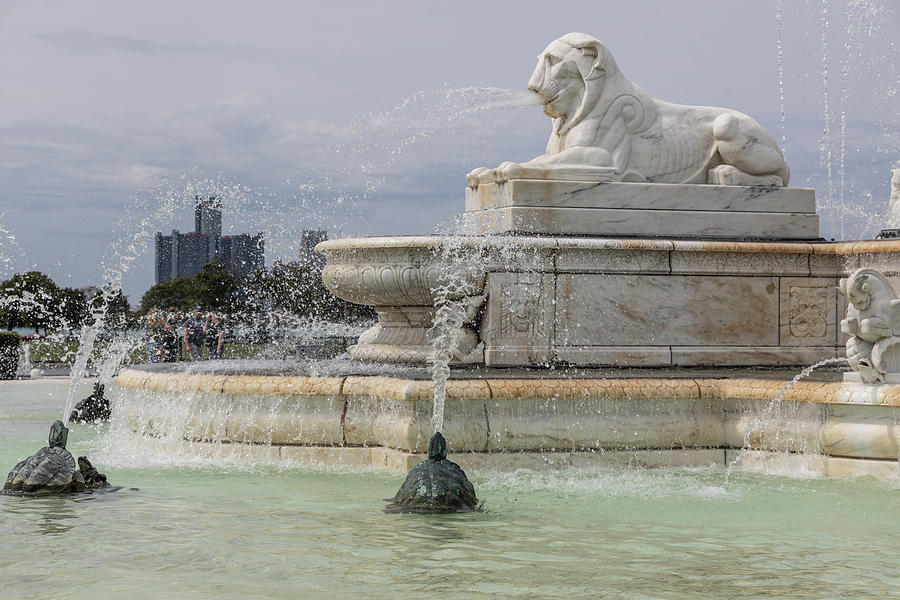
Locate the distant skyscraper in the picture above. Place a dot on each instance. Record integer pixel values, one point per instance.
(163, 257)
(308, 240)
(242, 254)
(184, 254)
(208, 220)
(189, 254)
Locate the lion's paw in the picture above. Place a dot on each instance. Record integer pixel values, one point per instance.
(478, 176)
(507, 171)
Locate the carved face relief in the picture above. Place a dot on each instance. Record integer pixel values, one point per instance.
(518, 309)
(808, 318)
(558, 80)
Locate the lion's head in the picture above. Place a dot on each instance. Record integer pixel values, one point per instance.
(569, 76)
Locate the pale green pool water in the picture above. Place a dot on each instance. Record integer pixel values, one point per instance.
(229, 531)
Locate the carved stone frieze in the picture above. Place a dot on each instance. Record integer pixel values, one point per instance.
(589, 301)
(740, 263)
(607, 260)
(518, 321)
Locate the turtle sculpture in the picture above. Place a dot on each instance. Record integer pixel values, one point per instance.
(93, 408)
(436, 485)
(52, 470)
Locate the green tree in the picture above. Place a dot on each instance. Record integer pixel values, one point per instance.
(176, 292)
(30, 300)
(297, 289)
(73, 308)
(213, 289)
(117, 307)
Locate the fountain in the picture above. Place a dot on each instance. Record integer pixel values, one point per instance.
(618, 298)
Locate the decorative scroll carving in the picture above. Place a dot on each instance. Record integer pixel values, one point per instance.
(615, 261)
(739, 262)
(388, 277)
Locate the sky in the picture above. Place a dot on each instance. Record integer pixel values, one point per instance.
(362, 117)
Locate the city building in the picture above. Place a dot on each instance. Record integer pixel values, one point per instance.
(241, 254)
(308, 240)
(183, 254)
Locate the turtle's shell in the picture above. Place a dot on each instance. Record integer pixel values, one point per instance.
(49, 471)
(436, 486)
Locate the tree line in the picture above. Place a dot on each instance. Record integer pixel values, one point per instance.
(286, 287)
(32, 300)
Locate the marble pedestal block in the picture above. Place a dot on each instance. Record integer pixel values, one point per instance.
(527, 206)
(542, 301)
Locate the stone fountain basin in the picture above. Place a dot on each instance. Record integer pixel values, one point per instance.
(595, 301)
(392, 271)
(502, 419)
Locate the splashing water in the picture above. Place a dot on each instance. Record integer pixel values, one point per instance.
(378, 138)
(461, 265)
(779, 20)
(372, 146)
(825, 147)
(8, 249)
(23, 369)
(773, 408)
(140, 223)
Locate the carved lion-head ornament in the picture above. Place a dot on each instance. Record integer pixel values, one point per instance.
(570, 77)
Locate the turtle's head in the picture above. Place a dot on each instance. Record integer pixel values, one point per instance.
(59, 435)
(437, 448)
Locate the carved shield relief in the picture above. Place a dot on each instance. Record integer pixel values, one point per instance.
(808, 312)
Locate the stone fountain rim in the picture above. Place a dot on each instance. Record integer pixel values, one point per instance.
(432, 242)
(506, 388)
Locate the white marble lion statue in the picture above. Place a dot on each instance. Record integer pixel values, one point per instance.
(606, 128)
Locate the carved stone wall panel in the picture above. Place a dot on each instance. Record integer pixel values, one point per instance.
(740, 263)
(676, 310)
(739, 356)
(808, 311)
(518, 322)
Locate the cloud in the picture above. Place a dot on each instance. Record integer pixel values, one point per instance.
(86, 41)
